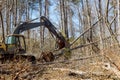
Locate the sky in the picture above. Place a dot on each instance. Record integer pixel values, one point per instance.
(55, 19)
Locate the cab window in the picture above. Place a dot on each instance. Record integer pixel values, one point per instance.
(10, 40)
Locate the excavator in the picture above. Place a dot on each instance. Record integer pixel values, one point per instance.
(14, 45)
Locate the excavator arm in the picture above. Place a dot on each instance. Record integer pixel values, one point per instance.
(26, 26)
(44, 22)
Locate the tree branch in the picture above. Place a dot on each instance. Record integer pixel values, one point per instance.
(85, 31)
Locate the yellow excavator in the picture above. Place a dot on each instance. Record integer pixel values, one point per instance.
(14, 45)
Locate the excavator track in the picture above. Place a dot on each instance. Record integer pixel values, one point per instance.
(17, 57)
(45, 56)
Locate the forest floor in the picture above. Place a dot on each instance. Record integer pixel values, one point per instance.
(59, 71)
(72, 70)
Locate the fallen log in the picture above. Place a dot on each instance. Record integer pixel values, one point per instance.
(82, 74)
(66, 61)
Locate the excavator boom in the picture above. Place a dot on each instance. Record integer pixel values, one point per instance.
(45, 22)
(26, 26)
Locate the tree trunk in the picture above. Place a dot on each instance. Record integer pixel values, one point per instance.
(71, 23)
(100, 25)
(7, 17)
(65, 10)
(2, 24)
(41, 28)
(64, 17)
(15, 13)
(108, 24)
(61, 14)
(46, 8)
(118, 10)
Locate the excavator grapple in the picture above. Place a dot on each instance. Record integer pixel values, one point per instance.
(47, 56)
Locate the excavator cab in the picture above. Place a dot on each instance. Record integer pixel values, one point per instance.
(15, 44)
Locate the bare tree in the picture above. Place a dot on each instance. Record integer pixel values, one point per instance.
(2, 25)
(41, 28)
(109, 23)
(118, 10)
(64, 19)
